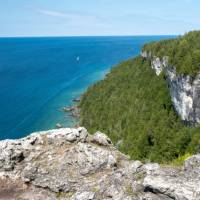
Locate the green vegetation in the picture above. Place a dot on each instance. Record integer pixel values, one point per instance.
(180, 160)
(183, 52)
(133, 105)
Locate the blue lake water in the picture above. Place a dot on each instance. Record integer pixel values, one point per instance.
(38, 76)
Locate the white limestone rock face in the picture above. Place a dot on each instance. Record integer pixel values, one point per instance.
(184, 91)
(185, 94)
(181, 90)
(146, 54)
(158, 64)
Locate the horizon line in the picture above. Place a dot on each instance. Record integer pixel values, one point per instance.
(62, 36)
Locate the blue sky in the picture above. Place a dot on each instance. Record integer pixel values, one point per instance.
(97, 17)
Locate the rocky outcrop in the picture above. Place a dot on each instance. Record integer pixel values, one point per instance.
(176, 183)
(184, 90)
(74, 165)
(158, 64)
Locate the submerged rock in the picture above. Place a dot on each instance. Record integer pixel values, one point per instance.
(76, 100)
(74, 165)
(58, 125)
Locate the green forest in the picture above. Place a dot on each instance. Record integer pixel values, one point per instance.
(133, 107)
(183, 52)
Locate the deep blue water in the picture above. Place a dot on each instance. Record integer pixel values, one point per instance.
(38, 76)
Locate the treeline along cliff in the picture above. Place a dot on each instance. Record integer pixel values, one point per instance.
(150, 105)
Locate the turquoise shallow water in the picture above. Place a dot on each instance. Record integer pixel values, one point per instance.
(38, 76)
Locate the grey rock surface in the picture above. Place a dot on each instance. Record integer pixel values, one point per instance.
(173, 183)
(101, 139)
(71, 164)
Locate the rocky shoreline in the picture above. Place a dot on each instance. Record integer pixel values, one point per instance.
(72, 111)
(71, 164)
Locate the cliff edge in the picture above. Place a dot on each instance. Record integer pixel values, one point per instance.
(179, 60)
(72, 164)
(184, 89)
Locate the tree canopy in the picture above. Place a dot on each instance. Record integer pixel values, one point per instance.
(183, 52)
(133, 106)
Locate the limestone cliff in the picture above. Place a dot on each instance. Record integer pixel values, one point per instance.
(74, 165)
(184, 90)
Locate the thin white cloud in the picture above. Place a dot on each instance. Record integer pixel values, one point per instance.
(76, 20)
(53, 13)
(74, 17)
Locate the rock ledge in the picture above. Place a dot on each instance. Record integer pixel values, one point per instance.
(74, 165)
